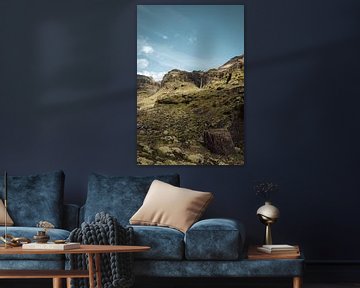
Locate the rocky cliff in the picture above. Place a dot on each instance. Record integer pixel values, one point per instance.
(146, 85)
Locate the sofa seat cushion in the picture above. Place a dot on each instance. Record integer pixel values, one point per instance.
(35, 198)
(166, 243)
(119, 196)
(214, 239)
(29, 232)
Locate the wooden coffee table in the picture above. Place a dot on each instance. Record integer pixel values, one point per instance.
(92, 251)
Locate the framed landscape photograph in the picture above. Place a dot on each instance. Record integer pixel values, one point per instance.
(190, 85)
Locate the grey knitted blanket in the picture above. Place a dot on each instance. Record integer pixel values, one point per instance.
(116, 268)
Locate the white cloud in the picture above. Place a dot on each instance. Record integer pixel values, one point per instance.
(161, 35)
(192, 39)
(167, 58)
(142, 63)
(157, 76)
(147, 49)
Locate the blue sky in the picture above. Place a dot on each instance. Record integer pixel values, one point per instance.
(187, 37)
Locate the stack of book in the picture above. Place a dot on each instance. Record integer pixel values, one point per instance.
(279, 249)
(51, 246)
(282, 251)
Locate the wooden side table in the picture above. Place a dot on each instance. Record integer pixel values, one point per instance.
(254, 254)
(93, 251)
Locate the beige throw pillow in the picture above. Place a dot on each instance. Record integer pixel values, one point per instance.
(9, 221)
(170, 206)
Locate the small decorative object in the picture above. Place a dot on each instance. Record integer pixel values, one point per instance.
(46, 225)
(268, 213)
(11, 241)
(41, 236)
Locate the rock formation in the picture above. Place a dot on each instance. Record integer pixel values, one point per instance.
(145, 84)
(219, 141)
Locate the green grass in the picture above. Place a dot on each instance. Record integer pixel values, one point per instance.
(178, 120)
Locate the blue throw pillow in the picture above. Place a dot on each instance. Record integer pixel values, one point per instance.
(35, 198)
(119, 196)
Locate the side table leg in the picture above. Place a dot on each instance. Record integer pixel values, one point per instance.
(98, 270)
(57, 283)
(297, 282)
(91, 270)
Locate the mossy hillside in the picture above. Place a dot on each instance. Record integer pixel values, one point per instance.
(180, 123)
(172, 122)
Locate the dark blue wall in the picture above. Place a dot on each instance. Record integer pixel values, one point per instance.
(68, 101)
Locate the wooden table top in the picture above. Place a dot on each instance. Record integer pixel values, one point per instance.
(91, 249)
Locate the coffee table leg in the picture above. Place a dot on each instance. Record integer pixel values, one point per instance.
(98, 270)
(68, 282)
(91, 270)
(297, 282)
(57, 283)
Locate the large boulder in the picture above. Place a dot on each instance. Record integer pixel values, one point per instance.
(219, 141)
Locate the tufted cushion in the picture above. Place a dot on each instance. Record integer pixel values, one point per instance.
(214, 239)
(170, 206)
(165, 243)
(119, 196)
(35, 198)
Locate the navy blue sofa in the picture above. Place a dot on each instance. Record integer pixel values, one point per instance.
(210, 248)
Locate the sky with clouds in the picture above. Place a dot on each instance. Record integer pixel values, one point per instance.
(187, 37)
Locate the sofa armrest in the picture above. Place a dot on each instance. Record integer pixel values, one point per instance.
(215, 239)
(71, 216)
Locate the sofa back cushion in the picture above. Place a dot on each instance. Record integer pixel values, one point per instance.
(119, 196)
(35, 198)
(165, 243)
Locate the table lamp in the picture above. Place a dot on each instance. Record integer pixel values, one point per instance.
(268, 214)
